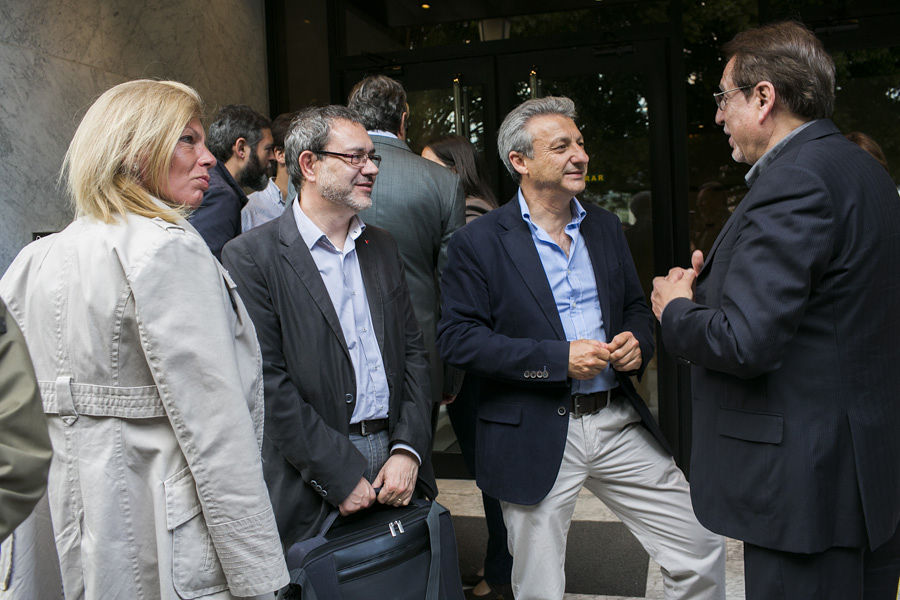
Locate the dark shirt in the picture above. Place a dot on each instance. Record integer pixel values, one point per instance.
(218, 218)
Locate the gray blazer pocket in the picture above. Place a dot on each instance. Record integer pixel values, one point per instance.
(767, 428)
(508, 414)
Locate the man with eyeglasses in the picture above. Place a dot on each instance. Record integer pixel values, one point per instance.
(346, 375)
(419, 202)
(791, 324)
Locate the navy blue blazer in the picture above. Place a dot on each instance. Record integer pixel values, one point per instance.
(794, 338)
(218, 218)
(500, 323)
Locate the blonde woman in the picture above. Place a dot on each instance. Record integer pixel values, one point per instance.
(149, 369)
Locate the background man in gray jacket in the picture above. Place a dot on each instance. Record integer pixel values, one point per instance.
(419, 202)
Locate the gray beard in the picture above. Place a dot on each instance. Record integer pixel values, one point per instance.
(335, 194)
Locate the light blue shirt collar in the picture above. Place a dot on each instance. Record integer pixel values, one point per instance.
(578, 212)
(384, 133)
(311, 233)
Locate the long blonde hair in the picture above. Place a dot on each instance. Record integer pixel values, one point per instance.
(120, 155)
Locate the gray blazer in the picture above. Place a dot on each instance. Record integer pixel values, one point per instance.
(309, 462)
(421, 204)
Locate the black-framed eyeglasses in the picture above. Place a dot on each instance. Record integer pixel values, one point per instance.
(356, 160)
(721, 99)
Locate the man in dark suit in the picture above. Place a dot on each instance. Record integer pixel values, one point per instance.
(419, 202)
(793, 335)
(346, 378)
(241, 140)
(543, 304)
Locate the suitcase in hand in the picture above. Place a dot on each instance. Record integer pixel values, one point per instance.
(390, 553)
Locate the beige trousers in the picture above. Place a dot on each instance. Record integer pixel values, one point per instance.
(621, 463)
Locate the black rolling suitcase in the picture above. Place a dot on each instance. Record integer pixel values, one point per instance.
(389, 553)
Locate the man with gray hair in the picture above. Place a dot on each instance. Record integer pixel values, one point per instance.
(542, 303)
(419, 202)
(346, 378)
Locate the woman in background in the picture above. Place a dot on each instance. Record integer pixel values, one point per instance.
(492, 583)
(457, 154)
(149, 370)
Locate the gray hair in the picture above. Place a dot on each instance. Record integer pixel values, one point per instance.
(310, 130)
(514, 137)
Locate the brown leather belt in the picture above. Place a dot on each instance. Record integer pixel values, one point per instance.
(588, 404)
(368, 427)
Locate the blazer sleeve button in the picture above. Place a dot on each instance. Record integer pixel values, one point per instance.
(526, 375)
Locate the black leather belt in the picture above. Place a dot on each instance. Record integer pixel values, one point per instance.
(588, 404)
(369, 427)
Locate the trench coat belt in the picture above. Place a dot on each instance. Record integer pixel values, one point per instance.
(65, 398)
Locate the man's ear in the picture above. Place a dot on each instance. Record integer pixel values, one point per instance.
(240, 149)
(764, 99)
(279, 156)
(518, 162)
(306, 160)
(404, 122)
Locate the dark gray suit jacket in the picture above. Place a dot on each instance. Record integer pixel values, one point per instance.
(309, 463)
(421, 204)
(794, 338)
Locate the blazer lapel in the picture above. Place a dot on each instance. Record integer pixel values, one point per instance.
(297, 255)
(516, 239)
(817, 129)
(599, 247)
(707, 260)
(372, 284)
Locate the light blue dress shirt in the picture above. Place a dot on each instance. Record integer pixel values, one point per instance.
(574, 289)
(343, 279)
(263, 206)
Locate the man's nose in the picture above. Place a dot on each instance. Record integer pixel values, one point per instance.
(720, 117)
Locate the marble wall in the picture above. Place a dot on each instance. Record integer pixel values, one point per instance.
(57, 56)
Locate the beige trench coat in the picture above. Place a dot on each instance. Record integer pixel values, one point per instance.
(150, 374)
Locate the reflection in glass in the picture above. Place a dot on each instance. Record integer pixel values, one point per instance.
(432, 115)
(868, 98)
(367, 35)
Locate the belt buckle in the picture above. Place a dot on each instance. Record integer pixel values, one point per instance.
(576, 406)
(362, 428)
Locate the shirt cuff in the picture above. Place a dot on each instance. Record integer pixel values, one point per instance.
(402, 446)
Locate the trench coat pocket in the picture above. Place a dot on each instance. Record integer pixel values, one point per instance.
(195, 566)
(767, 428)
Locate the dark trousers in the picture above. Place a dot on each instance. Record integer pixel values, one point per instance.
(835, 574)
(463, 414)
